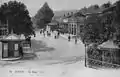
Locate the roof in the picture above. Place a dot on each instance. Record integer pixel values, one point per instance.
(13, 37)
(52, 24)
(91, 19)
(109, 9)
(108, 44)
(22, 37)
(76, 19)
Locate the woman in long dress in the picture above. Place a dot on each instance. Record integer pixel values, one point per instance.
(75, 40)
(69, 38)
(21, 51)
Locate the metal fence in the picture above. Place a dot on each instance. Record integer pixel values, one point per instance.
(93, 63)
(105, 58)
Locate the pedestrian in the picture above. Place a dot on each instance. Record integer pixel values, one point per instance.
(40, 31)
(21, 51)
(30, 41)
(69, 38)
(44, 34)
(55, 36)
(34, 34)
(75, 40)
(47, 32)
(58, 33)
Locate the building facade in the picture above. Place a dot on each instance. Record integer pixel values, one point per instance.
(74, 24)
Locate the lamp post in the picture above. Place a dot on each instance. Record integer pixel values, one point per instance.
(85, 56)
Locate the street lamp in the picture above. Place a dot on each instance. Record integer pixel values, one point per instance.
(85, 56)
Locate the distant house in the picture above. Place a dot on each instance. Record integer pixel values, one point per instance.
(53, 25)
(74, 23)
(71, 23)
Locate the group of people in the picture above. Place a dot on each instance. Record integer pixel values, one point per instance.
(48, 33)
(69, 38)
(57, 35)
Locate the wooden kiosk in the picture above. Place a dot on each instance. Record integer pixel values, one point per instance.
(11, 47)
(106, 55)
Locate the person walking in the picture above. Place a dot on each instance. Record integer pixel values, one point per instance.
(30, 41)
(55, 36)
(58, 34)
(40, 31)
(21, 51)
(44, 34)
(75, 40)
(69, 38)
(34, 34)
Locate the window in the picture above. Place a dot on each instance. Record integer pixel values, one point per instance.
(5, 52)
(16, 46)
(5, 46)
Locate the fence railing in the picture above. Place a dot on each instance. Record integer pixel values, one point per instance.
(100, 64)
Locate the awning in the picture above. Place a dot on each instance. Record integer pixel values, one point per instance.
(108, 44)
(13, 37)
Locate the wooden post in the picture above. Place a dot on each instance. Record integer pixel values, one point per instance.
(85, 56)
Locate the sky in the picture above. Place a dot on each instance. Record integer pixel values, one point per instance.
(34, 5)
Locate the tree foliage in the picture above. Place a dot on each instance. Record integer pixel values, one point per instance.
(44, 16)
(116, 21)
(96, 6)
(96, 30)
(102, 28)
(117, 12)
(91, 30)
(107, 5)
(18, 18)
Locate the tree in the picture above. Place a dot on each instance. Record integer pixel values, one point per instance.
(16, 15)
(116, 21)
(44, 16)
(107, 5)
(92, 31)
(117, 12)
(78, 14)
(96, 6)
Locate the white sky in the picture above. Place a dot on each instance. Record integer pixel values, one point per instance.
(34, 5)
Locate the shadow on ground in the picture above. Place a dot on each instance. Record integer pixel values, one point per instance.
(41, 46)
(29, 56)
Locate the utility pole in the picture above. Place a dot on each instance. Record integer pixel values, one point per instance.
(85, 56)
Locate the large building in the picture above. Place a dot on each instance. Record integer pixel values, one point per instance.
(73, 23)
